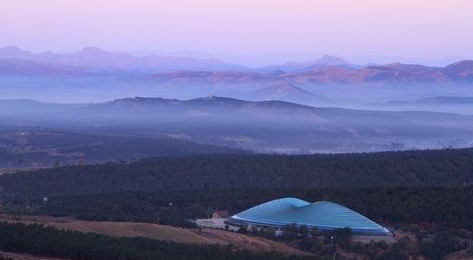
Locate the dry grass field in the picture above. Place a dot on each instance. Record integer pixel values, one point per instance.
(159, 232)
(15, 256)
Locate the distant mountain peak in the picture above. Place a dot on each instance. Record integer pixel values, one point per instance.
(11, 48)
(213, 98)
(331, 60)
(138, 99)
(92, 51)
(467, 63)
(12, 51)
(462, 70)
(324, 61)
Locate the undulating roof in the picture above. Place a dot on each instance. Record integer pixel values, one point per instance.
(323, 215)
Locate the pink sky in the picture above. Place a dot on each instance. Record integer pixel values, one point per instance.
(403, 28)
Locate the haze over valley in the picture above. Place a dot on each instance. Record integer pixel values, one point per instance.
(95, 75)
(263, 126)
(192, 105)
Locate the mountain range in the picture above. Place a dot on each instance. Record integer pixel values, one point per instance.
(95, 74)
(327, 69)
(92, 59)
(394, 73)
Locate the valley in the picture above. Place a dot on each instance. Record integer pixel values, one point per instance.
(143, 127)
(24, 148)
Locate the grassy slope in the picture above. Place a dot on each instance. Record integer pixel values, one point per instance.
(159, 232)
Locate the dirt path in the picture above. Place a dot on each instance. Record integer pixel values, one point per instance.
(15, 256)
(460, 255)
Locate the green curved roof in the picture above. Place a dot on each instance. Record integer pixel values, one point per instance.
(323, 215)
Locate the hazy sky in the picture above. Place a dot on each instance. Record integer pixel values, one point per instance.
(431, 29)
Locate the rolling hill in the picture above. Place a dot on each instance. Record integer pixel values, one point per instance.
(265, 126)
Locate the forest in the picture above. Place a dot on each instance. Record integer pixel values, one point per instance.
(443, 206)
(448, 167)
(32, 147)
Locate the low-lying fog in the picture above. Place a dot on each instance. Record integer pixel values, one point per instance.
(268, 126)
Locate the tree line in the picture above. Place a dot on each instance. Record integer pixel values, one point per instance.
(248, 171)
(445, 206)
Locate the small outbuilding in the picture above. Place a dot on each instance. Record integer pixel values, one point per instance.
(220, 214)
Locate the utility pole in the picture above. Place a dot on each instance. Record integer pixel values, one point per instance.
(332, 246)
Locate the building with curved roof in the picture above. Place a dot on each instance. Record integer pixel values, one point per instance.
(323, 215)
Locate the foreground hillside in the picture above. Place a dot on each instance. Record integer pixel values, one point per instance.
(202, 172)
(67, 243)
(158, 232)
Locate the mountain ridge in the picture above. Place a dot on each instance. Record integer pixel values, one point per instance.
(93, 57)
(327, 69)
(95, 74)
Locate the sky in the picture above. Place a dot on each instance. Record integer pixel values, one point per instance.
(251, 31)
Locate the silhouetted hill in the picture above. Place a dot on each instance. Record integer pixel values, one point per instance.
(287, 92)
(324, 61)
(462, 70)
